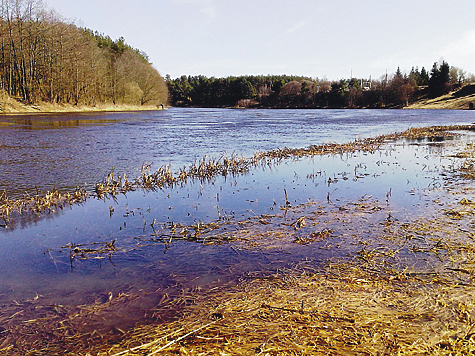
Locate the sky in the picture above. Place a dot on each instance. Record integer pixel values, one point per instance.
(315, 38)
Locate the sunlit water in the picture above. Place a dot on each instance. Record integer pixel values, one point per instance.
(47, 151)
(64, 151)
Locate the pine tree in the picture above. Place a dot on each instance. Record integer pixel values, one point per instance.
(439, 79)
(424, 78)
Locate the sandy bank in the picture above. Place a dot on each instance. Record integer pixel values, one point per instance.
(10, 106)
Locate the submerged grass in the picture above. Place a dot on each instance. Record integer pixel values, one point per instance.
(378, 301)
(342, 310)
(405, 288)
(204, 169)
(402, 287)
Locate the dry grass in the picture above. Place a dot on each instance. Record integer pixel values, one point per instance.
(205, 169)
(56, 108)
(404, 288)
(39, 204)
(343, 310)
(209, 168)
(447, 101)
(9, 105)
(374, 302)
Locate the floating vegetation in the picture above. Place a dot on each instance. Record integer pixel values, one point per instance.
(86, 251)
(39, 204)
(314, 236)
(206, 169)
(198, 232)
(387, 286)
(95, 250)
(466, 166)
(375, 303)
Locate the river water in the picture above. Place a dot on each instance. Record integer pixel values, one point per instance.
(63, 151)
(45, 151)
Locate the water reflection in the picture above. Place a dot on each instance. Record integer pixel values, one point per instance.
(64, 151)
(131, 230)
(47, 123)
(44, 256)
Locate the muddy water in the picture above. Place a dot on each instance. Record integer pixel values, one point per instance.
(35, 259)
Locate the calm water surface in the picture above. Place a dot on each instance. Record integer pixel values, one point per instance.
(67, 150)
(63, 151)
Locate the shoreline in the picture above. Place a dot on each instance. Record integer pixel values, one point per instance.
(446, 103)
(369, 303)
(9, 106)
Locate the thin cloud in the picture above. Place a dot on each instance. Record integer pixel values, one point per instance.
(461, 52)
(297, 26)
(209, 10)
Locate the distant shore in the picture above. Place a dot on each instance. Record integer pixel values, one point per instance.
(10, 106)
(448, 102)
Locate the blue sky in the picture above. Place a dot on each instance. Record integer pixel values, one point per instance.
(332, 39)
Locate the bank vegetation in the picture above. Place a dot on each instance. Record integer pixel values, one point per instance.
(282, 91)
(45, 59)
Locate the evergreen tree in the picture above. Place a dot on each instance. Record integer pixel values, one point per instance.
(424, 78)
(415, 76)
(399, 73)
(444, 73)
(439, 79)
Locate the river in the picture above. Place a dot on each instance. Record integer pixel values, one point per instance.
(40, 152)
(64, 151)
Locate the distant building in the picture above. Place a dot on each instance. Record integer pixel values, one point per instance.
(366, 84)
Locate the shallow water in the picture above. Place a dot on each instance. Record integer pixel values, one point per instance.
(64, 151)
(33, 257)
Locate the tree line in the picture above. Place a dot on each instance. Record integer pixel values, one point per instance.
(46, 59)
(284, 91)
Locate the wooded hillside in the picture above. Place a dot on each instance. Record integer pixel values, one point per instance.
(45, 59)
(283, 91)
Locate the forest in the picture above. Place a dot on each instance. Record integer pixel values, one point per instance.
(283, 91)
(46, 59)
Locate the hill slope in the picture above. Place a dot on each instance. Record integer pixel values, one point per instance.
(47, 61)
(460, 99)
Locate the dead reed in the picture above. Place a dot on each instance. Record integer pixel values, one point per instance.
(343, 310)
(204, 169)
(403, 287)
(375, 302)
(39, 203)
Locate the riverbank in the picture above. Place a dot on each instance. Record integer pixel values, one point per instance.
(408, 286)
(10, 106)
(457, 100)
(396, 284)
